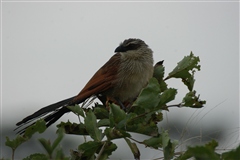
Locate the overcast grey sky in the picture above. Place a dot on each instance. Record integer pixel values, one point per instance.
(51, 49)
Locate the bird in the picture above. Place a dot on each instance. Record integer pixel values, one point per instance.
(119, 80)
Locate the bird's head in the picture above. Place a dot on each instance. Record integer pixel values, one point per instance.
(133, 47)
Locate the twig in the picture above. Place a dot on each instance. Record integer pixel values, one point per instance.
(135, 140)
(101, 151)
(13, 152)
(175, 105)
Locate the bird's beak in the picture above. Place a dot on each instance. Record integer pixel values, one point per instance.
(120, 49)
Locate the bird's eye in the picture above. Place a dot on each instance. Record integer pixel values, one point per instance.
(132, 46)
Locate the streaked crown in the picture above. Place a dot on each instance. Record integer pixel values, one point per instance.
(130, 44)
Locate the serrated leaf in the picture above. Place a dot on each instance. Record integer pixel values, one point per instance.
(73, 128)
(109, 147)
(116, 114)
(191, 100)
(149, 96)
(167, 96)
(113, 133)
(158, 72)
(163, 86)
(39, 126)
(149, 129)
(184, 66)
(15, 142)
(201, 152)
(189, 82)
(155, 142)
(88, 149)
(91, 126)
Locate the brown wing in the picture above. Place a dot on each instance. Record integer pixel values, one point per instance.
(103, 80)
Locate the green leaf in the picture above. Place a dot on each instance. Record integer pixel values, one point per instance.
(167, 96)
(162, 141)
(60, 155)
(155, 142)
(159, 71)
(88, 149)
(169, 151)
(184, 66)
(91, 126)
(212, 145)
(77, 110)
(157, 117)
(109, 147)
(163, 86)
(185, 70)
(189, 81)
(46, 145)
(134, 148)
(15, 142)
(73, 128)
(36, 156)
(191, 100)
(149, 97)
(205, 152)
(116, 115)
(101, 112)
(232, 155)
(167, 145)
(165, 138)
(113, 133)
(142, 127)
(39, 126)
(127, 120)
(103, 123)
(58, 139)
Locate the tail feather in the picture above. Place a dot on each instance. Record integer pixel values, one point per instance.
(57, 109)
(50, 119)
(45, 110)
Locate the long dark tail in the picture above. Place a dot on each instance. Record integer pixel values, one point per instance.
(51, 112)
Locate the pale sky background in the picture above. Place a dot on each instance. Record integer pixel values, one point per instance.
(51, 49)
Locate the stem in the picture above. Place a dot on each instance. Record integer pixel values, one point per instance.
(174, 105)
(101, 151)
(85, 138)
(136, 140)
(13, 151)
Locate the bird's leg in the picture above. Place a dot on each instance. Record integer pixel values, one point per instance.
(120, 103)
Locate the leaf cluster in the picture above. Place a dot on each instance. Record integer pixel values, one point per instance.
(105, 124)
